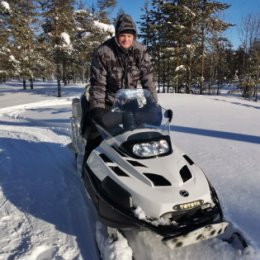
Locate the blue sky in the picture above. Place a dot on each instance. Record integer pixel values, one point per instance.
(234, 15)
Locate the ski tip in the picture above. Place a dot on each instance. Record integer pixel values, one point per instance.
(237, 240)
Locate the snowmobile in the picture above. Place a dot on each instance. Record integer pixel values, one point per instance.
(138, 179)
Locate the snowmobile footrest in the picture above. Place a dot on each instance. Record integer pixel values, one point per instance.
(195, 236)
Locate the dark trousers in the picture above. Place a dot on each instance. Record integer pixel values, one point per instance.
(93, 140)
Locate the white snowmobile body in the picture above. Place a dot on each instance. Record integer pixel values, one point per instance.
(138, 178)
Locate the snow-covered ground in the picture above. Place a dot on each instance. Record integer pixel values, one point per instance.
(45, 213)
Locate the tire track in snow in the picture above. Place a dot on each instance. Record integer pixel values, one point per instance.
(41, 104)
(23, 239)
(44, 234)
(34, 134)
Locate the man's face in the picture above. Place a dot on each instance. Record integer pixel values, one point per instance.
(125, 40)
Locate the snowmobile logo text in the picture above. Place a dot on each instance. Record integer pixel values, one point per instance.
(189, 205)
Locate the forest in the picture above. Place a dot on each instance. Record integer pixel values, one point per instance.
(55, 39)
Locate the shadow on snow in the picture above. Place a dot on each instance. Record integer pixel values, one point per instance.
(39, 178)
(239, 103)
(217, 134)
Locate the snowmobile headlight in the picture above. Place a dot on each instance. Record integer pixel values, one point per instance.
(153, 148)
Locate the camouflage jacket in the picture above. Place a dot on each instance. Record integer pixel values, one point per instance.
(114, 68)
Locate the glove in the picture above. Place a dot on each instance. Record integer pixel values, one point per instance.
(97, 115)
(106, 118)
(129, 122)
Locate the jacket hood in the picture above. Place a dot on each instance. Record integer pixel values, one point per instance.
(125, 23)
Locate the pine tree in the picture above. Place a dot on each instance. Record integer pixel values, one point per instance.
(58, 29)
(178, 37)
(90, 34)
(4, 48)
(209, 24)
(152, 33)
(20, 39)
(105, 7)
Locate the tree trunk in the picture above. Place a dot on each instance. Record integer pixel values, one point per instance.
(256, 98)
(177, 89)
(31, 83)
(188, 86)
(59, 87)
(202, 49)
(58, 79)
(24, 84)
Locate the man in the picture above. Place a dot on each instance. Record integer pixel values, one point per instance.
(120, 62)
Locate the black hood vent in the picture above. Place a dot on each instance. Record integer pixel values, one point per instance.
(135, 163)
(188, 159)
(185, 173)
(157, 180)
(105, 158)
(118, 171)
(119, 151)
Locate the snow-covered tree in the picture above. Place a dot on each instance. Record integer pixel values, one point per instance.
(90, 33)
(4, 48)
(70, 37)
(178, 32)
(58, 27)
(21, 38)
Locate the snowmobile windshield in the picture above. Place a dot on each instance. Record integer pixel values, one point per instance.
(135, 110)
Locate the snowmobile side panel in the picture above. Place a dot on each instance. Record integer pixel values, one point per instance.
(117, 193)
(108, 212)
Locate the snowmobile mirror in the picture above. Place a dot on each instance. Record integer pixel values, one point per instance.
(168, 114)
